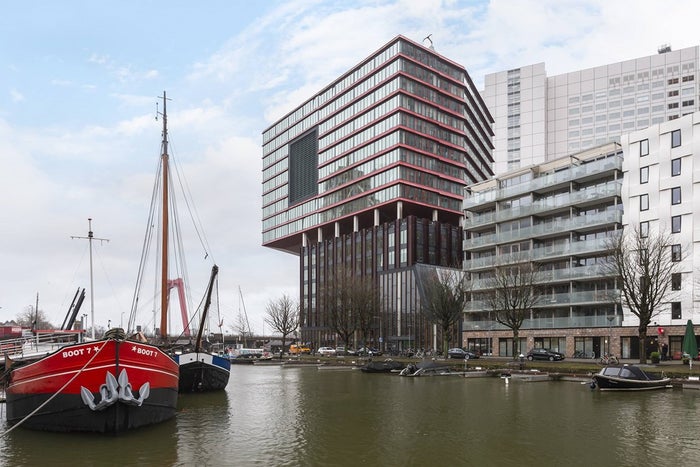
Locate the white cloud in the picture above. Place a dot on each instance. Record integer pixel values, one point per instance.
(16, 95)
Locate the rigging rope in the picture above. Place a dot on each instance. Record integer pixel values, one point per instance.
(57, 393)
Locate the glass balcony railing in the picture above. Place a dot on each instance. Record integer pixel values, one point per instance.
(575, 172)
(539, 207)
(600, 321)
(560, 227)
(551, 300)
(592, 272)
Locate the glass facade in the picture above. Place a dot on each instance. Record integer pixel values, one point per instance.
(396, 140)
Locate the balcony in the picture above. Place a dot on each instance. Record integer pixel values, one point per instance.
(574, 173)
(547, 323)
(556, 300)
(592, 272)
(576, 198)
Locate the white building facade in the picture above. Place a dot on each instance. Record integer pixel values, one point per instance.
(558, 216)
(540, 118)
(661, 188)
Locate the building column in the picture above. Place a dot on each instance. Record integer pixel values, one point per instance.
(435, 215)
(376, 217)
(319, 234)
(336, 225)
(355, 224)
(399, 210)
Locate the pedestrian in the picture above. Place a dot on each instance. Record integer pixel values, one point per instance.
(664, 351)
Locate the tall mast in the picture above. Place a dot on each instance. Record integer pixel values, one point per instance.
(164, 247)
(90, 238)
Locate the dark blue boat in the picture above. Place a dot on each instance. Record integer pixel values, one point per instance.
(201, 370)
(628, 378)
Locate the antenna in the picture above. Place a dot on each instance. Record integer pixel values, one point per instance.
(429, 39)
(90, 238)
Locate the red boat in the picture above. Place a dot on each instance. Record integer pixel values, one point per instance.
(109, 386)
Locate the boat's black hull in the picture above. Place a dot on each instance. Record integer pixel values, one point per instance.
(68, 412)
(620, 384)
(382, 367)
(203, 372)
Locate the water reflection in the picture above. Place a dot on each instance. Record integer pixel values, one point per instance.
(305, 417)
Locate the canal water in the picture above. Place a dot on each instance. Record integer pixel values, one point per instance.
(274, 416)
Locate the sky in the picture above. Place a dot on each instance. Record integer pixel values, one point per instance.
(79, 82)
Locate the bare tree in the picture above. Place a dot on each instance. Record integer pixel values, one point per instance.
(644, 265)
(512, 297)
(364, 299)
(351, 303)
(444, 301)
(239, 328)
(283, 317)
(33, 318)
(336, 300)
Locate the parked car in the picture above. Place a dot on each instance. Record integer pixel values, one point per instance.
(461, 353)
(326, 351)
(544, 354)
(340, 350)
(295, 349)
(368, 351)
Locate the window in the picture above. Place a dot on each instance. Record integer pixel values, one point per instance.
(675, 310)
(676, 195)
(676, 167)
(644, 147)
(676, 252)
(644, 175)
(644, 202)
(676, 281)
(675, 224)
(675, 138)
(644, 229)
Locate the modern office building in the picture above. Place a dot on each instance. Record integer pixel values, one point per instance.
(555, 217)
(539, 118)
(367, 176)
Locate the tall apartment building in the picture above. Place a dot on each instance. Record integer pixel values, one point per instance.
(557, 217)
(367, 176)
(540, 118)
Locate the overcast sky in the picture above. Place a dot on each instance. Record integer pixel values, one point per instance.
(78, 138)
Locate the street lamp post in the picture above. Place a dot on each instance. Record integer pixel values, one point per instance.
(83, 325)
(610, 320)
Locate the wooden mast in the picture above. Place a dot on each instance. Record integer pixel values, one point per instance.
(164, 246)
(207, 303)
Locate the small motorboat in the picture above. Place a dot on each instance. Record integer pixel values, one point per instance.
(428, 368)
(387, 366)
(628, 378)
